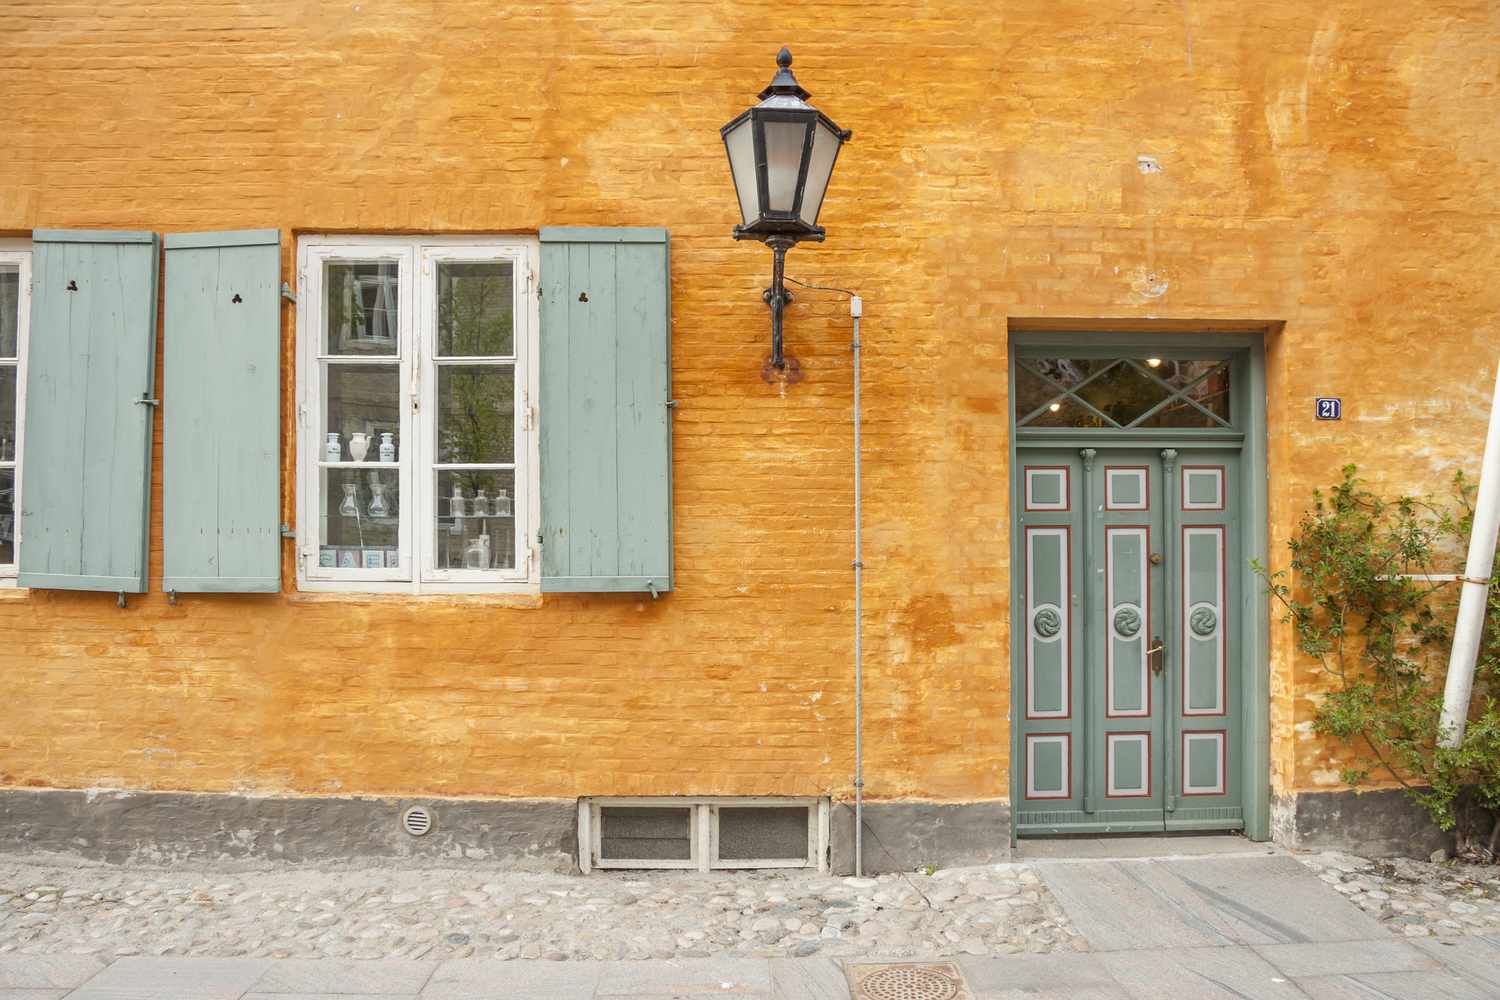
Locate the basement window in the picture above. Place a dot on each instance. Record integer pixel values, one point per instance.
(703, 834)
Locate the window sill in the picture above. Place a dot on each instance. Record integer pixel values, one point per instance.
(518, 598)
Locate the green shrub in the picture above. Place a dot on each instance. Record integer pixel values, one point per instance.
(1358, 604)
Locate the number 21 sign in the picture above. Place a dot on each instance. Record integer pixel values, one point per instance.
(1330, 408)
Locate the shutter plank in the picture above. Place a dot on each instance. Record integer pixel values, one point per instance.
(221, 450)
(605, 445)
(88, 441)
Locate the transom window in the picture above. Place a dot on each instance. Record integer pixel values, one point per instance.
(417, 444)
(1122, 392)
(15, 315)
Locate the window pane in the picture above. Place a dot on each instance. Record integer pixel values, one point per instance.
(10, 308)
(7, 516)
(1067, 412)
(361, 513)
(1068, 372)
(476, 520)
(1181, 373)
(476, 414)
(8, 415)
(1031, 391)
(1123, 393)
(362, 307)
(361, 399)
(645, 833)
(778, 833)
(475, 301)
(784, 142)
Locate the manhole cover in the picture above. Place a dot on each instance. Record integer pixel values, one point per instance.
(908, 982)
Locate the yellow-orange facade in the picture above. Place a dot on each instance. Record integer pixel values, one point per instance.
(1325, 171)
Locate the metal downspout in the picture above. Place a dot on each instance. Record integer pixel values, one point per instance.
(1469, 629)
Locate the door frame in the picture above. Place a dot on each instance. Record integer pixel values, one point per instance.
(1246, 352)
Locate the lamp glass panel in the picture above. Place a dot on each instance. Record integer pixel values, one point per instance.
(784, 142)
(740, 142)
(819, 170)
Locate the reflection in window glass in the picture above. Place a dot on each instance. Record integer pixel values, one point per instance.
(362, 307)
(476, 414)
(1124, 393)
(475, 302)
(363, 404)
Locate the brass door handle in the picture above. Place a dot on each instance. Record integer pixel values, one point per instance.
(1156, 655)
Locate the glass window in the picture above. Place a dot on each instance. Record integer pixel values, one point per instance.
(420, 453)
(1122, 392)
(15, 268)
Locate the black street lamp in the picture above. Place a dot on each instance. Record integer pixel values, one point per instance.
(781, 153)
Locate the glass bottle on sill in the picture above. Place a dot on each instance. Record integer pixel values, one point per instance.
(349, 508)
(333, 451)
(481, 504)
(456, 502)
(502, 503)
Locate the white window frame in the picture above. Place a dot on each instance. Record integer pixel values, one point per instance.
(416, 258)
(703, 826)
(18, 252)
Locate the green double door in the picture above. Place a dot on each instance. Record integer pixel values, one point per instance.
(1128, 598)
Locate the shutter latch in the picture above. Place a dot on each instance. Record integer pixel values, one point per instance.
(146, 400)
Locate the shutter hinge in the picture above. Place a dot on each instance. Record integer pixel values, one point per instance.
(286, 530)
(539, 541)
(671, 404)
(286, 292)
(146, 400)
(528, 412)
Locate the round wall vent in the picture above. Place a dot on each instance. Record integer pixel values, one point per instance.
(417, 821)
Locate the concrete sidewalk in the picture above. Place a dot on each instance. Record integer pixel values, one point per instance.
(1232, 922)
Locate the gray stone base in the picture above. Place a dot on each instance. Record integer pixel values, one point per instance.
(1378, 824)
(172, 827)
(905, 836)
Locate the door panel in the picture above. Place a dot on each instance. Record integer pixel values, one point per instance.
(1130, 641)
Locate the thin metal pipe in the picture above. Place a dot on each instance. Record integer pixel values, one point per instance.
(856, 309)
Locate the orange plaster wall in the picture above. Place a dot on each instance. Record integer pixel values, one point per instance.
(1330, 166)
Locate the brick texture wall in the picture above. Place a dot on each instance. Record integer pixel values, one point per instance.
(1327, 165)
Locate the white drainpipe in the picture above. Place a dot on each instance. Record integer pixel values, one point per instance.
(1469, 630)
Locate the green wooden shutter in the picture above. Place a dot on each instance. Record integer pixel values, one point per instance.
(221, 484)
(89, 375)
(605, 423)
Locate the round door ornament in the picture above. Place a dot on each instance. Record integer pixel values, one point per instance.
(1127, 621)
(1046, 622)
(1203, 620)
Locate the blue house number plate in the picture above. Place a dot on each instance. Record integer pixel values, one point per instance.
(1330, 408)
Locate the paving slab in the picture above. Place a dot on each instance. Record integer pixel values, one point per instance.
(1440, 985)
(174, 979)
(1207, 973)
(485, 979)
(1346, 958)
(808, 979)
(1066, 974)
(1476, 958)
(337, 975)
(674, 977)
(40, 972)
(331, 996)
(1202, 902)
(8, 994)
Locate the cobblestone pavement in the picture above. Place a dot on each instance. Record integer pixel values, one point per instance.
(107, 912)
(1416, 898)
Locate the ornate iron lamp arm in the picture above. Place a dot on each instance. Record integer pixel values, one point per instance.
(777, 296)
